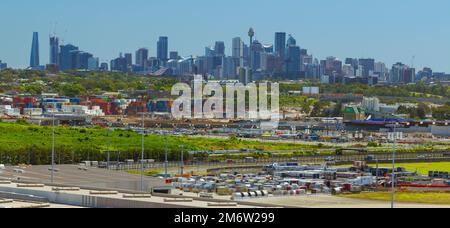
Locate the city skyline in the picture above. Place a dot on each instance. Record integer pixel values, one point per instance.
(324, 36)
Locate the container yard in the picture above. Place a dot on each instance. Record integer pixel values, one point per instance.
(292, 179)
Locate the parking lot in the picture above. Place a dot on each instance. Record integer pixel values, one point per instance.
(71, 175)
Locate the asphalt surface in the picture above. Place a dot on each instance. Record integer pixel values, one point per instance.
(70, 175)
(326, 201)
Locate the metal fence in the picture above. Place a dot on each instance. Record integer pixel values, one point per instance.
(320, 159)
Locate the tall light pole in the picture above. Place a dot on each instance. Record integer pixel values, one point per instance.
(53, 147)
(182, 160)
(166, 160)
(107, 149)
(142, 152)
(393, 166)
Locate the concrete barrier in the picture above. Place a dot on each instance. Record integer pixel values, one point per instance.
(136, 196)
(222, 204)
(6, 201)
(30, 185)
(66, 189)
(103, 192)
(177, 200)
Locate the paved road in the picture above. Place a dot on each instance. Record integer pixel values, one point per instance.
(94, 177)
(326, 201)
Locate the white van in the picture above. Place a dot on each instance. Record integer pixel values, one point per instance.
(2, 166)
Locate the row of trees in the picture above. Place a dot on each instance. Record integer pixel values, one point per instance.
(78, 83)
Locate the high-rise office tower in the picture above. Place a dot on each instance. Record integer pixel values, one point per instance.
(368, 67)
(293, 54)
(3, 65)
(163, 49)
(401, 73)
(255, 55)
(54, 50)
(219, 48)
(280, 49)
(291, 41)
(65, 57)
(34, 58)
(174, 55)
(129, 59)
(238, 48)
(141, 57)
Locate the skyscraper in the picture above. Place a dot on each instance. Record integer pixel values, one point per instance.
(34, 58)
(54, 50)
(65, 57)
(368, 67)
(129, 59)
(219, 48)
(142, 57)
(238, 50)
(174, 55)
(163, 49)
(401, 73)
(255, 55)
(3, 65)
(292, 58)
(280, 49)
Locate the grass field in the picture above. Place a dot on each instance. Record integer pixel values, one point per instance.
(423, 168)
(23, 143)
(406, 197)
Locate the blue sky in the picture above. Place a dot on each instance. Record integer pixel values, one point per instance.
(388, 30)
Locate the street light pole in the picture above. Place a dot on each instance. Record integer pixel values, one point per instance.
(182, 160)
(393, 166)
(142, 153)
(166, 160)
(107, 149)
(376, 181)
(53, 148)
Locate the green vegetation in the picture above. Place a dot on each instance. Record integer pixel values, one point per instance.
(415, 113)
(148, 173)
(78, 83)
(405, 197)
(24, 143)
(442, 113)
(423, 168)
(420, 168)
(418, 90)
